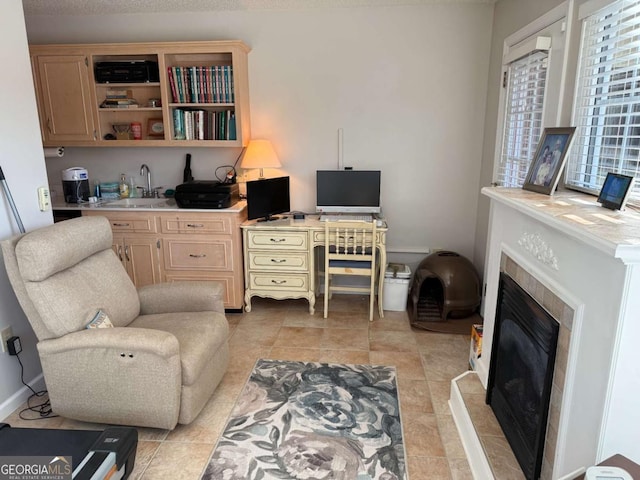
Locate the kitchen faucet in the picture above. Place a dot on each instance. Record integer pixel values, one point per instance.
(147, 192)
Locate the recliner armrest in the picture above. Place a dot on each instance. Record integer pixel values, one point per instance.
(126, 339)
(173, 297)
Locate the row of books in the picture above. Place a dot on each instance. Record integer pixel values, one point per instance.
(201, 84)
(194, 124)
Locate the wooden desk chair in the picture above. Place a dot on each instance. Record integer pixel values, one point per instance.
(350, 250)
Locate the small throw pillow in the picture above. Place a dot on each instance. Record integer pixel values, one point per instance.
(100, 320)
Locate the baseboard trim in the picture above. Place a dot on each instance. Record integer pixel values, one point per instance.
(14, 401)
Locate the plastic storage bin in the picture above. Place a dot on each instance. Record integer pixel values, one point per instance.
(396, 287)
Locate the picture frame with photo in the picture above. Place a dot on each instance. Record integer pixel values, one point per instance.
(155, 127)
(549, 159)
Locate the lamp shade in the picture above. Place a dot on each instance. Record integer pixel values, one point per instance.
(260, 154)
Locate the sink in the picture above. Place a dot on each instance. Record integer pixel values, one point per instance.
(138, 203)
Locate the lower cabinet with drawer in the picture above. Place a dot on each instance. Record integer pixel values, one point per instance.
(278, 264)
(136, 243)
(177, 245)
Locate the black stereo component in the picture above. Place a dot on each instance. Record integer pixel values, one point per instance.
(132, 71)
(207, 194)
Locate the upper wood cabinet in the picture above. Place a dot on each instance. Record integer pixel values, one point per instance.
(64, 99)
(201, 96)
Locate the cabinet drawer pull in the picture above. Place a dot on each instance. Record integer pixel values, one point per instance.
(194, 255)
(120, 224)
(195, 225)
(278, 260)
(277, 240)
(126, 253)
(278, 282)
(120, 252)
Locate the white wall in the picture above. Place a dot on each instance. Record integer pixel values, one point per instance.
(407, 85)
(23, 165)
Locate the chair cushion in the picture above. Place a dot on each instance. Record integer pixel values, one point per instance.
(68, 300)
(70, 272)
(199, 334)
(49, 250)
(349, 264)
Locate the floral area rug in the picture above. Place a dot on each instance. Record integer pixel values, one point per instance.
(306, 420)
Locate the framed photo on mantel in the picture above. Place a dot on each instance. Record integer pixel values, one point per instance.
(549, 160)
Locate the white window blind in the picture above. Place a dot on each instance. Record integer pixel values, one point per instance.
(526, 81)
(607, 104)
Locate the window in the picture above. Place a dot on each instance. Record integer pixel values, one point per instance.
(607, 101)
(524, 101)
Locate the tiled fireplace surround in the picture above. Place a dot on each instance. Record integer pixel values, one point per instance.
(504, 465)
(563, 314)
(584, 269)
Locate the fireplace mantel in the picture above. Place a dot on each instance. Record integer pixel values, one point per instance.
(588, 258)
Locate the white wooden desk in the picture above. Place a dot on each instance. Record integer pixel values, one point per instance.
(280, 260)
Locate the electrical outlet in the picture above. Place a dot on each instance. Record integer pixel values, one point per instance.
(6, 334)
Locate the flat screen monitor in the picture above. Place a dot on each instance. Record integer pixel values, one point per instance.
(615, 190)
(267, 197)
(339, 191)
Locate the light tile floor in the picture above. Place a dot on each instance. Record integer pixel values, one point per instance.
(426, 362)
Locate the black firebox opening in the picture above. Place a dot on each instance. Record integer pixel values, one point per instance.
(521, 373)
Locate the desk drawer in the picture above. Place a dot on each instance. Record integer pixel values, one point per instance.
(197, 223)
(289, 261)
(133, 222)
(180, 254)
(277, 240)
(279, 282)
(318, 237)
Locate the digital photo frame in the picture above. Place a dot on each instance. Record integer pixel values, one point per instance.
(615, 191)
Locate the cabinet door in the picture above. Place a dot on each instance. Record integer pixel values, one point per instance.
(141, 255)
(118, 248)
(66, 112)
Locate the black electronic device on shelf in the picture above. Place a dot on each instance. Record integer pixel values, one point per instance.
(267, 197)
(133, 71)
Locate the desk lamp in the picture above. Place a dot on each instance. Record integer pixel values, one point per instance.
(260, 154)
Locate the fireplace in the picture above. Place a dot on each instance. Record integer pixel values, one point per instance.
(521, 373)
(582, 264)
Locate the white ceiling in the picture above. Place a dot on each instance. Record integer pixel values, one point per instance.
(102, 7)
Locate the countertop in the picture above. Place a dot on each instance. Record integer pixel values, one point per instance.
(144, 204)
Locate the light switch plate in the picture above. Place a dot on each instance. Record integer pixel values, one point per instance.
(44, 199)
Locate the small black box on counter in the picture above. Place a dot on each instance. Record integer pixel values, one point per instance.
(207, 194)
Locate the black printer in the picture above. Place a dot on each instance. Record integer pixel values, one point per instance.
(207, 194)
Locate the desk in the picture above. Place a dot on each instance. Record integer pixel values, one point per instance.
(280, 260)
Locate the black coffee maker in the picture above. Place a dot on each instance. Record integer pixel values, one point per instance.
(75, 185)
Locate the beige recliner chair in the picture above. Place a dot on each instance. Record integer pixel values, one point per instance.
(164, 356)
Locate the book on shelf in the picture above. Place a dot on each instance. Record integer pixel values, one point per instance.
(232, 127)
(119, 103)
(201, 124)
(118, 94)
(201, 84)
(172, 84)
